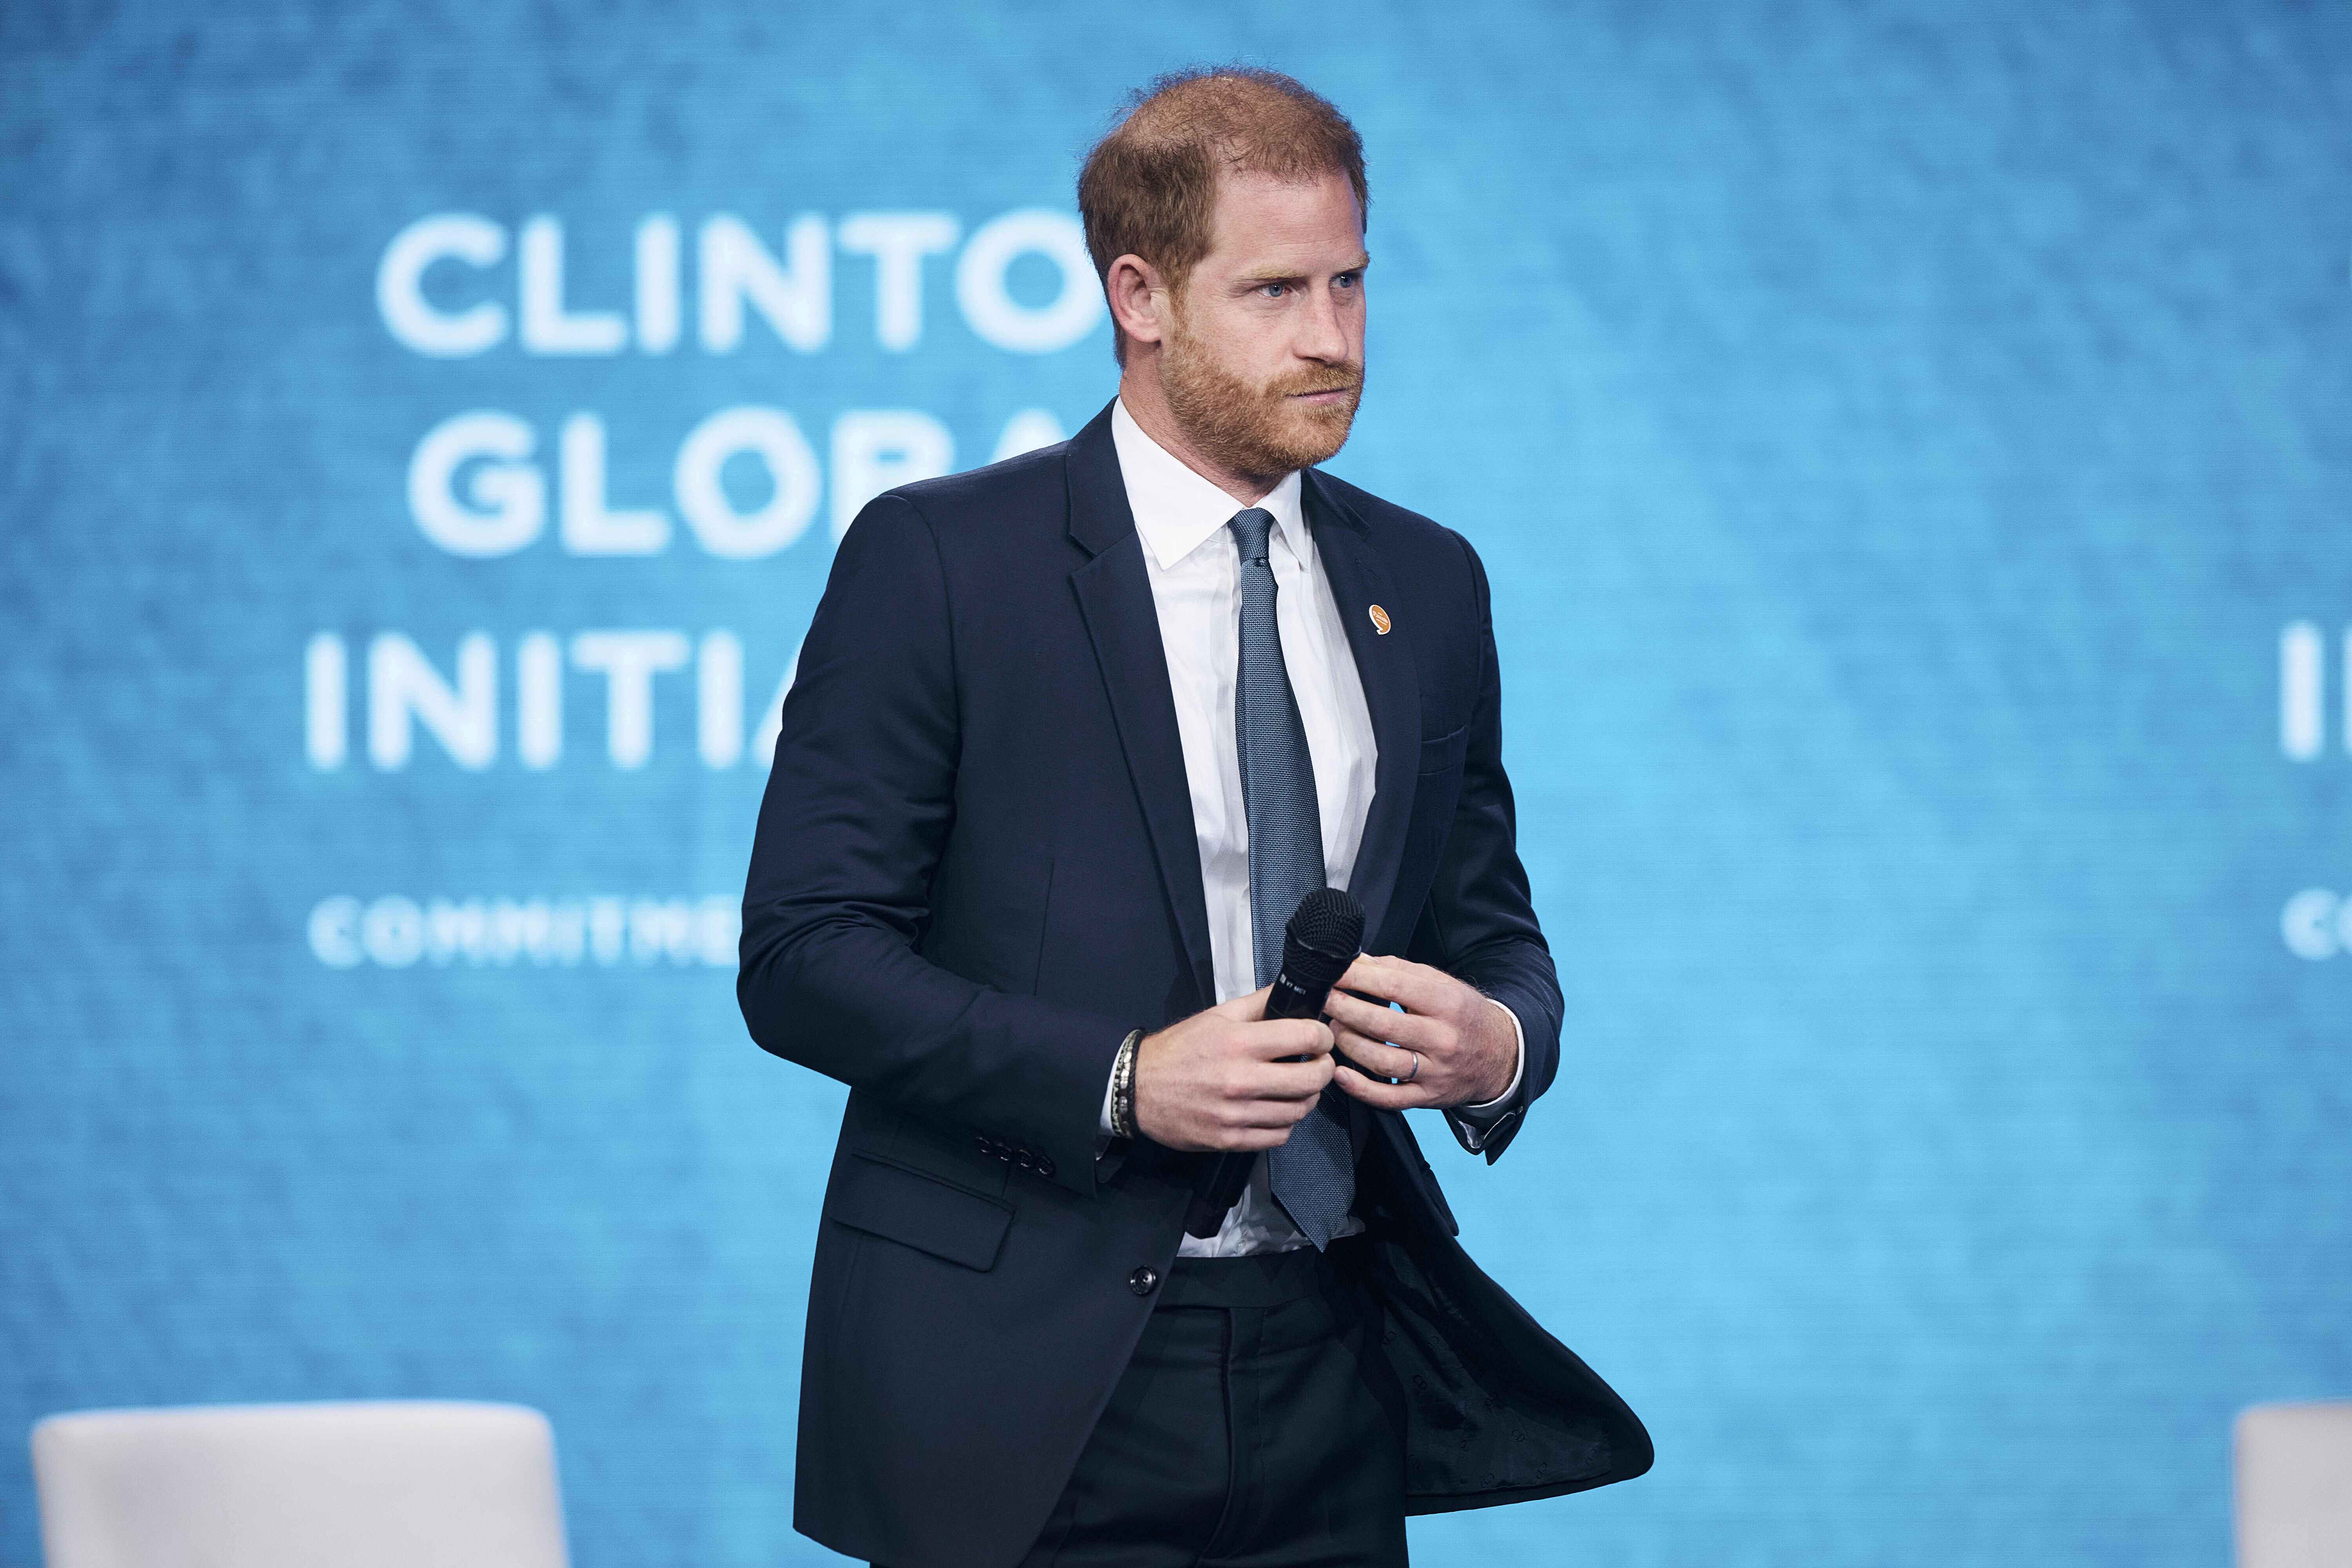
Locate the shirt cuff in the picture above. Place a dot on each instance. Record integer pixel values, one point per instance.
(1473, 1122)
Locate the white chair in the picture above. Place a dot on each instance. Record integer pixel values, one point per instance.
(367, 1485)
(2294, 1486)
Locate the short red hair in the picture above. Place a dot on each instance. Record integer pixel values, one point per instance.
(1149, 187)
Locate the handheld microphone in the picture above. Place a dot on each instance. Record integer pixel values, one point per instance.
(1325, 935)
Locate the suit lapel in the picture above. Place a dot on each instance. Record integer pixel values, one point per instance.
(1359, 580)
(1123, 622)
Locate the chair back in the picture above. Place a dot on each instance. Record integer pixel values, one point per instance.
(2294, 1486)
(390, 1484)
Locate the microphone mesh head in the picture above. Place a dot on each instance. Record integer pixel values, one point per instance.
(1329, 923)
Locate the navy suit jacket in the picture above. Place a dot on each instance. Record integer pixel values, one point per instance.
(975, 872)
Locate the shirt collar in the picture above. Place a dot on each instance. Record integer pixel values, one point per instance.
(1177, 510)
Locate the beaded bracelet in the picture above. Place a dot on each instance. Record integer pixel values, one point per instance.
(1122, 1087)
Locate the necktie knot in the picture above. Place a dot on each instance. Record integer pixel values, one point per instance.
(1252, 528)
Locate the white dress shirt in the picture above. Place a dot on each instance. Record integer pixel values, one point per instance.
(1194, 567)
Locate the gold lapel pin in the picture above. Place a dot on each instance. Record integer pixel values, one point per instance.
(1379, 620)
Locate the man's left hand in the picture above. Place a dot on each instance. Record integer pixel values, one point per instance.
(1450, 1045)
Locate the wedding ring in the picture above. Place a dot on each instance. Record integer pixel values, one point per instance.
(1416, 1067)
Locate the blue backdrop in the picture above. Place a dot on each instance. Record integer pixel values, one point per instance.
(1908, 444)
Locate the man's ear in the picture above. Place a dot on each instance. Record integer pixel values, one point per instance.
(1138, 298)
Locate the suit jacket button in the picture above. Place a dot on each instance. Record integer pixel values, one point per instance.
(1044, 1166)
(1143, 1280)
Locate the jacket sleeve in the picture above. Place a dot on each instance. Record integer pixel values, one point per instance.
(1479, 923)
(858, 807)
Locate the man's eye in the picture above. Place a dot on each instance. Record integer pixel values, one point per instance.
(1273, 290)
(1344, 280)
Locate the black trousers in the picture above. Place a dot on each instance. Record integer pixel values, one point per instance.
(1256, 1428)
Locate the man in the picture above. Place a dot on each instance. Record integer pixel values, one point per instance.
(1071, 736)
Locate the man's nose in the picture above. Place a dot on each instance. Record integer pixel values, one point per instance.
(1321, 334)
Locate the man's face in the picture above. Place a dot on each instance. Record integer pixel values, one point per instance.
(1265, 357)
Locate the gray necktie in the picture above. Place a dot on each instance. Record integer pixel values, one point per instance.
(1313, 1174)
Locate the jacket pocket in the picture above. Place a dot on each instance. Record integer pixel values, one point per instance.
(918, 1211)
(1434, 794)
(1446, 752)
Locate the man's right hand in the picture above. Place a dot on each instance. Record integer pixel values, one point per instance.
(1219, 1080)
